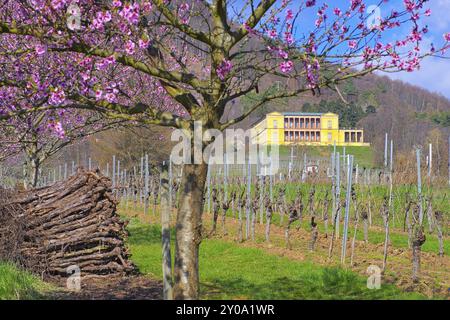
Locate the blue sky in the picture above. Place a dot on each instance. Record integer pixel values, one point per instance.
(434, 74)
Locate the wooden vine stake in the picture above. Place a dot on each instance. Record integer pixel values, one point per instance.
(337, 197)
(418, 235)
(347, 208)
(385, 215)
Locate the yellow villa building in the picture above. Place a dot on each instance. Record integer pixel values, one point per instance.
(315, 129)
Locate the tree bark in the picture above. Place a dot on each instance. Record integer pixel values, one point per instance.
(269, 209)
(366, 227)
(330, 249)
(430, 214)
(165, 226)
(439, 221)
(254, 209)
(418, 241)
(189, 231)
(354, 239)
(314, 235)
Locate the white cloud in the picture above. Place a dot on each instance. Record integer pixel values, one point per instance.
(439, 20)
(434, 75)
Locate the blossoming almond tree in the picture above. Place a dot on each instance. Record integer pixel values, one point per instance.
(176, 62)
(37, 136)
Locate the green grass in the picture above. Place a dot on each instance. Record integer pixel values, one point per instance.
(16, 284)
(230, 271)
(398, 240)
(364, 156)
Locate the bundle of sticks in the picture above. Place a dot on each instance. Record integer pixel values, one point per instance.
(71, 223)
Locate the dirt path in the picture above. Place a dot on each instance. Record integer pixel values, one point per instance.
(112, 288)
(435, 271)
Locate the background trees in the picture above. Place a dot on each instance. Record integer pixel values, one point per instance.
(40, 135)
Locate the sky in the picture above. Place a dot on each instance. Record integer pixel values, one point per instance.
(434, 73)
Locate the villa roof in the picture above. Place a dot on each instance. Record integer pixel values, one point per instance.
(301, 114)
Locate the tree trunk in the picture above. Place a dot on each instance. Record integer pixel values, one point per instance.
(240, 224)
(409, 227)
(439, 220)
(224, 215)
(165, 226)
(254, 209)
(430, 215)
(418, 241)
(268, 220)
(354, 239)
(31, 172)
(330, 249)
(366, 231)
(314, 235)
(189, 231)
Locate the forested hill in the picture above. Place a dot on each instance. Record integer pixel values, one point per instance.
(411, 115)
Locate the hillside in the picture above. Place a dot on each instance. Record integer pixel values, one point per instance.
(409, 114)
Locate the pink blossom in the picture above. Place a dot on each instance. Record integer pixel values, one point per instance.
(318, 22)
(352, 44)
(58, 4)
(105, 63)
(147, 6)
(40, 49)
(310, 3)
(59, 130)
(98, 94)
(57, 97)
(249, 29)
(289, 14)
(130, 12)
(337, 11)
(129, 47)
(283, 54)
(100, 19)
(272, 34)
(117, 3)
(224, 69)
(288, 38)
(144, 43)
(410, 5)
(184, 7)
(355, 4)
(286, 66)
(427, 12)
(447, 37)
(110, 97)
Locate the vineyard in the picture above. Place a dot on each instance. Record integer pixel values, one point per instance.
(224, 150)
(394, 230)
